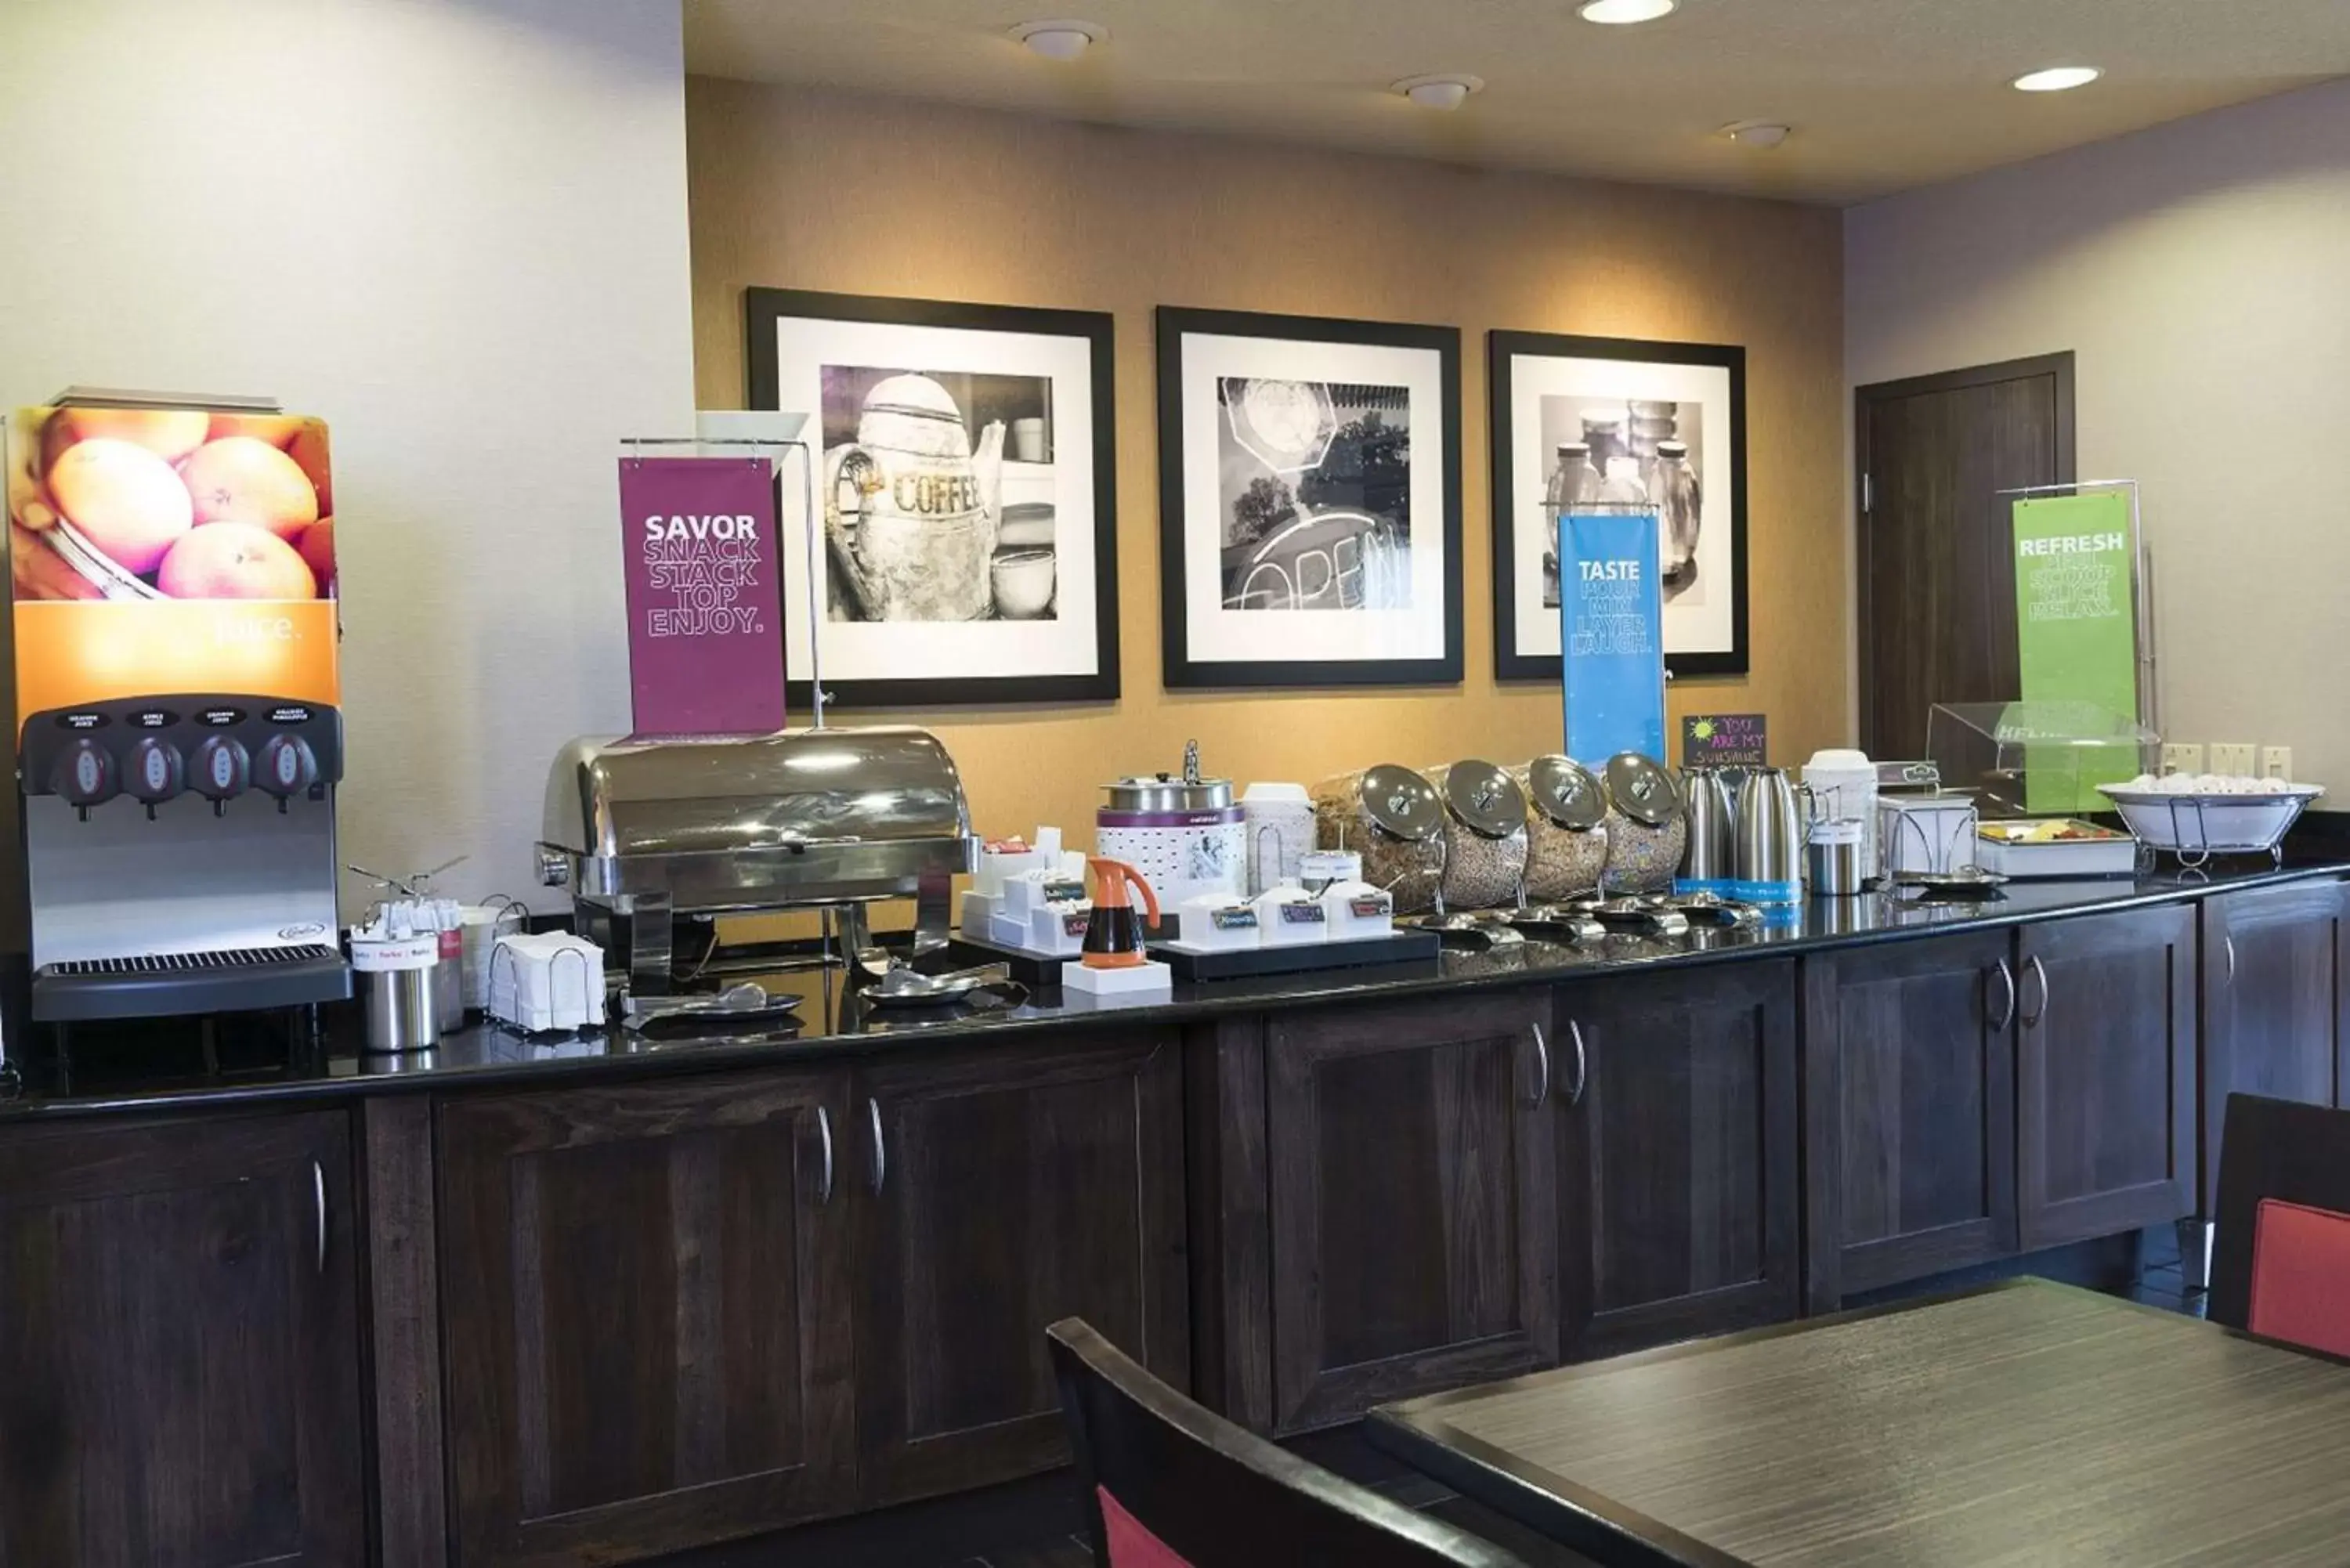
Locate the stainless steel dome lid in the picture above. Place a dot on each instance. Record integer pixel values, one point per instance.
(1567, 791)
(1485, 797)
(1642, 790)
(1399, 801)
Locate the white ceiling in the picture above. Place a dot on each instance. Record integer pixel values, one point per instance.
(1883, 94)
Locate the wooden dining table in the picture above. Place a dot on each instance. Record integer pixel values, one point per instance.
(2025, 1422)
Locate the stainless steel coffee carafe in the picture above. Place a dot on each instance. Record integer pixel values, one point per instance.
(1768, 864)
(1710, 861)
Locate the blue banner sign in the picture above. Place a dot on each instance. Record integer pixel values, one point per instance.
(1611, 626)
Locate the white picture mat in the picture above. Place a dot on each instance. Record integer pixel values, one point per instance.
(1703, 619)
(1214, 635)
(920, 650)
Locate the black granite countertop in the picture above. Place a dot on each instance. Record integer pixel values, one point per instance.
(126, 1074)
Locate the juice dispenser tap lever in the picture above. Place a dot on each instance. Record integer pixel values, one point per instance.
(84, 775)
(223, 770)
(288, 768)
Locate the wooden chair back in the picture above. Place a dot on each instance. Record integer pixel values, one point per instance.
(1218, 1496)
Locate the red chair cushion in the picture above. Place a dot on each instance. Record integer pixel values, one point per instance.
(1130, 1544)
(2300, 1275)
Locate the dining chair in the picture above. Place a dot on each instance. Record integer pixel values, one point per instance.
(1170, 1484)
(2280, 1267)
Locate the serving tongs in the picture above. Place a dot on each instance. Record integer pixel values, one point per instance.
(746, 1004)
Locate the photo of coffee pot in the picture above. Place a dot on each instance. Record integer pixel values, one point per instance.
(911, 509)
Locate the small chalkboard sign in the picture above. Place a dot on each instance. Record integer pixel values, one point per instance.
(1725, 741)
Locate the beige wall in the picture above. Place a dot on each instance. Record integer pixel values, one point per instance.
(457, 233)
(2201, 273)
(804, 190)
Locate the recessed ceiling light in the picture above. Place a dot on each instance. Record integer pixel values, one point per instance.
(1060, 39)
(2056, 78)
(1620, 13)
(1448, 90)
(1756, 132)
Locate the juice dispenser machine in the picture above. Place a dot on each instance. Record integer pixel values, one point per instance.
(178, 734)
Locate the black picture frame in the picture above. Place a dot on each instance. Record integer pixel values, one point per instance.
(762, 308)
(1180, 669)
(1501, 348)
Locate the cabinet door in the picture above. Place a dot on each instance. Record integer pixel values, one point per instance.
(2274, 1006)
(1412, 1174)
(180, 1372)
(644, 1305)
(1910, 1111)
(1005, 1187)
(1679, 1209)
(2104, 1080)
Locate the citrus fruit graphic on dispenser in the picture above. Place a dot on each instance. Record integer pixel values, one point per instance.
(161, 549)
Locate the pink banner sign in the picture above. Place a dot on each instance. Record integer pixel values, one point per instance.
(705, 608)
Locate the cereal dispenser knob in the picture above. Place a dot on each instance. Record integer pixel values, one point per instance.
(158, 773)
(224, 770)
(83, 774)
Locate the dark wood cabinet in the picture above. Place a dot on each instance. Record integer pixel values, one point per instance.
(1005, 1187)
(180, 1368)
(1908, 1112)
(1412, 1191)
(2276, 1007)
(2105, 1086)
(1679, 1208)
(646, 1315)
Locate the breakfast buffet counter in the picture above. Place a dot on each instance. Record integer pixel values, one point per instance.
(597, 1298)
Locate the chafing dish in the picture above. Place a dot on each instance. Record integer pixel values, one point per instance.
(643, 831)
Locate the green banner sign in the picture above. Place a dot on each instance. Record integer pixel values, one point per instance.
(2076, 635)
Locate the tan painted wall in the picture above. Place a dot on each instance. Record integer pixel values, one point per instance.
(2200, 273)
(804, 190)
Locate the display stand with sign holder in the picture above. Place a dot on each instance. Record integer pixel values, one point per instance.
(1611, 630)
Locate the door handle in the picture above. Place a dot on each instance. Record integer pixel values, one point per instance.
(1582, 1063)
(2228, 944)
(823, 1135)
(2032, 1019)
(2007, 1013)
(318, 1192)
(881, 1158)
(1542, 1056)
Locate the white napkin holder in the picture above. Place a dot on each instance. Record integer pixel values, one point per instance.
(1217, 923)
(550, 980)
(1357, 911)
(1042, 910)
(1288, 916)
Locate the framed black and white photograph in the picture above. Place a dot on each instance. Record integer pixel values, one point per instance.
(1309, 515)
(1609, 423)
(965, 493)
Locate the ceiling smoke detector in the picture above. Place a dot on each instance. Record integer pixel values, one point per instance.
(1623, 13)
(1449, 90)
(2056, 78)
(1757, 132)
(1060, 39)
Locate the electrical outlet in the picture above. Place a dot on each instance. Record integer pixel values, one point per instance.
(2182, 757)
(2276, 762)
(2232, 759)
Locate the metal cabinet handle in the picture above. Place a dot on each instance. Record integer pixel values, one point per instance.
(1582, 1063)
(1541, 1055)
(2006, 1013)
(881, 1158)
(2228, 942)
(2032, 1019)
(318, 1191)
(824, 1134)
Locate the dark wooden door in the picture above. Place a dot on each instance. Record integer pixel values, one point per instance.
(1678, 1208)
(2276, 1012)
(1908, 1110)
(1413, 1193)
(179, 1365)
(2105, 1083)
(1937, 561)
(645, 1310)
(1005, 1187)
